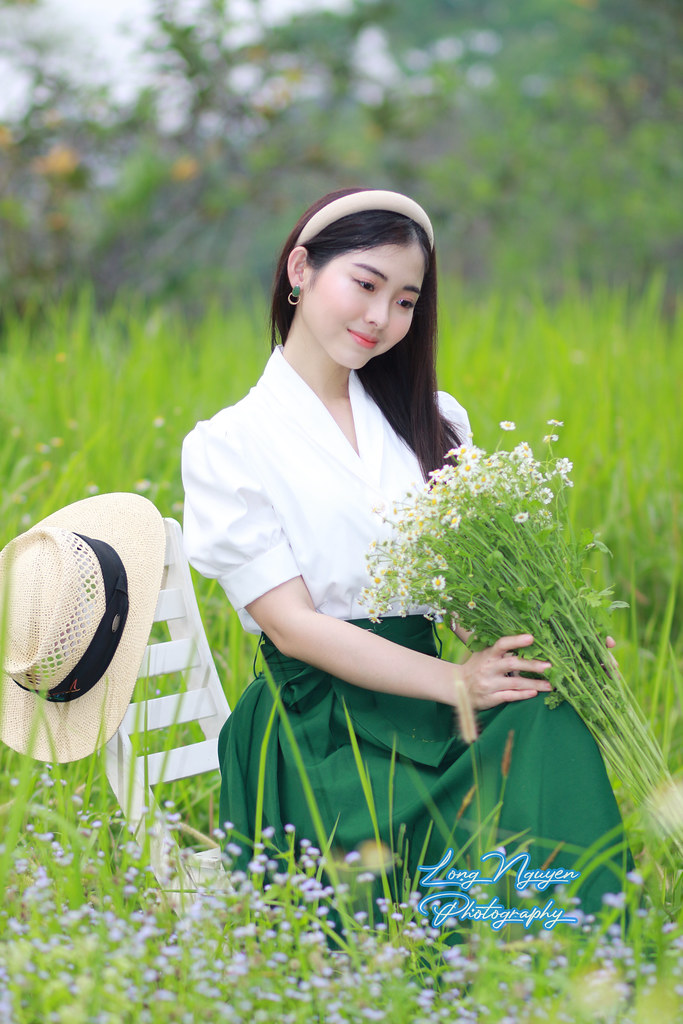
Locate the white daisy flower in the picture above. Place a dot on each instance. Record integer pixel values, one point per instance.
(522, 451)
(507, 425)
(521, 517)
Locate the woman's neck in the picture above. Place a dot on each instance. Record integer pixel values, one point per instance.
(327, 379)
(324, 376)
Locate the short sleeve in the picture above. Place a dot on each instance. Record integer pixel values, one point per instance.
(455, 414)
(231, 530)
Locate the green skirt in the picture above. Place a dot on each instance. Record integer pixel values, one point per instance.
(533, 780)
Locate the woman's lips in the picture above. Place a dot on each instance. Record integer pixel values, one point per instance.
(364, 339)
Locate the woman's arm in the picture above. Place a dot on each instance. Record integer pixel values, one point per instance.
(288, 617)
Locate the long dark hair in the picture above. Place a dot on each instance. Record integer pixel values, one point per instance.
(402, 381)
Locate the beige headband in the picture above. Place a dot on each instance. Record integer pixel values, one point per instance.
(357, 202)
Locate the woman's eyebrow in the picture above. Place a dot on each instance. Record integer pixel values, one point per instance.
(378, 273)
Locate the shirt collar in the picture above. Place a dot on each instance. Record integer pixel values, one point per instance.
(286, 387)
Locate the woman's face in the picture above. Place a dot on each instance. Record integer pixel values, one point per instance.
(358, 305)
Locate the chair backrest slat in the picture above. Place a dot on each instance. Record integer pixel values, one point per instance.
(179, 763)
(171, 605)
(164, 712)
(170, 656)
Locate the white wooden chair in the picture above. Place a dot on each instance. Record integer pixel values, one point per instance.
(184, 668)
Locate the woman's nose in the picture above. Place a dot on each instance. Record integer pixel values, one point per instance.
(377, 313)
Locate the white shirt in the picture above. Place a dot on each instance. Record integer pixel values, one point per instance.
(274, 490)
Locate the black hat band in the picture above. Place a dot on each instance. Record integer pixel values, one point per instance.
(102, 648)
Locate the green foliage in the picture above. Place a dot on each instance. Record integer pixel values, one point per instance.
(543, 137)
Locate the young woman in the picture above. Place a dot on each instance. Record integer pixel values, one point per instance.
(282, 496)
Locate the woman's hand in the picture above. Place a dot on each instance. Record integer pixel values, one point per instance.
(492, 675)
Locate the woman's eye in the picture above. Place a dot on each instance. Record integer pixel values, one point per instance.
(406, 303)
(367, 285)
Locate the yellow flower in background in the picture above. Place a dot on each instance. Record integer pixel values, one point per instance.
(6, 137)
(60, 162)
(185, 168)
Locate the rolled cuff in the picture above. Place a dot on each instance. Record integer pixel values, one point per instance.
(255, 578)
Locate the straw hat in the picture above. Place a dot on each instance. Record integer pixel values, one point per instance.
(77, 599)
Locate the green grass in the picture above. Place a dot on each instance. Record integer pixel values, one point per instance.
(93, 401)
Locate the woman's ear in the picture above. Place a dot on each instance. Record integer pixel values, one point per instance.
(296, 265)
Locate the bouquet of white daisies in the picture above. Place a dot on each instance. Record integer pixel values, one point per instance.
(486, 542)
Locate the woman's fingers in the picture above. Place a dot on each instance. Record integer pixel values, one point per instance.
(511, 643)
(513, 681)
(507, 696)
(494, 675)
(514, 664)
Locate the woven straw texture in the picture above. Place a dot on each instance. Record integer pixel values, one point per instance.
(52, 621)
(53, 601)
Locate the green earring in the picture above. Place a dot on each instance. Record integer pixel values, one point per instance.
(294, 295)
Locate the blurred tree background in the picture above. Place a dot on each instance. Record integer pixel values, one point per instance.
(542, 135)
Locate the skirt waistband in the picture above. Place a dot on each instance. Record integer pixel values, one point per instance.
(417, 729)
